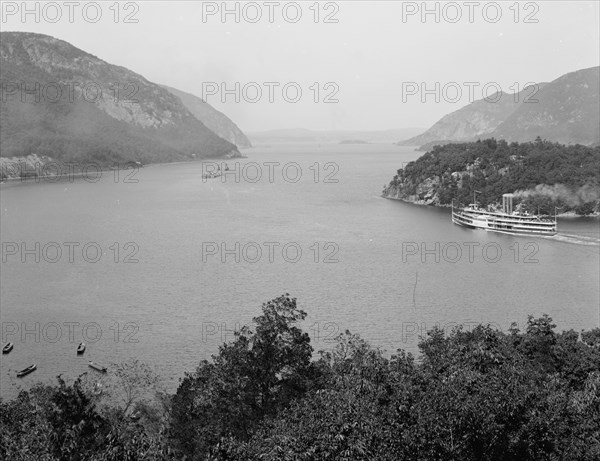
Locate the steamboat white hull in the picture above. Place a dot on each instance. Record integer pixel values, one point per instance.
(502, 222)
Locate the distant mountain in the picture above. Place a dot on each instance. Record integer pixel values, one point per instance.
(480, 118)
(214, 120)
(90, 110)
(311, 136)
(353, 141)
(566, 110)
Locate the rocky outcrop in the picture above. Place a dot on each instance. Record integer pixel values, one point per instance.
(21, 167)
(425, 192)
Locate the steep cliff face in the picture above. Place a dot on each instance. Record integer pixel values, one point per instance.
(62, 102)
(566, 110)
(214, 120)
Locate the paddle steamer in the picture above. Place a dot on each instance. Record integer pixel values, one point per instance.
(507, 221)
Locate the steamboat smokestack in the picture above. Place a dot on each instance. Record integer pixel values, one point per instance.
(507, 203)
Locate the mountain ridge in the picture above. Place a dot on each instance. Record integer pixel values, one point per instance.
(81, 108)
(214, 120)
(565, 110)
(478, 118)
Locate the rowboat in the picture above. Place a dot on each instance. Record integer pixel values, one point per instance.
(81, 348)
(7, 348)
(26, 371)
(97, 367)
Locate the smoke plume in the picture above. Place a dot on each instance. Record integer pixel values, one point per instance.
(560, 192)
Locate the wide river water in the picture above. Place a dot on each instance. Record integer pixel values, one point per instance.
(184, 261)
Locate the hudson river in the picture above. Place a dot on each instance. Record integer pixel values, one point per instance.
(165, 268)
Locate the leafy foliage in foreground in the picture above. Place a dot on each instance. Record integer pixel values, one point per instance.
(473, 395)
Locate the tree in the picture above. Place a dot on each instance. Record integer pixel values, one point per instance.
(133, 382)
(473, 395)
(77, 427)
(476, 395)
(257, 374)
(494, 168)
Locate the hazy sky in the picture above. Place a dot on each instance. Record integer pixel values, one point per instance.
(375, 60)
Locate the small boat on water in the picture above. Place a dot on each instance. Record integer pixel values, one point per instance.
(81, 348)
(26, 371)
(7, 348)
(507, 221)
(212, 175)
(97, 367)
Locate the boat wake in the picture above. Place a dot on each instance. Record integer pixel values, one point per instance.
(575, 239)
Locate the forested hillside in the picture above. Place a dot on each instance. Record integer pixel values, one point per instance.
(543, 175)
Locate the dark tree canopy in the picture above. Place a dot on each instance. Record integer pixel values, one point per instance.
(474, 395)
(491, 167)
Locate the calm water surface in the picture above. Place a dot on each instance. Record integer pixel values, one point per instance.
(400, 270)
